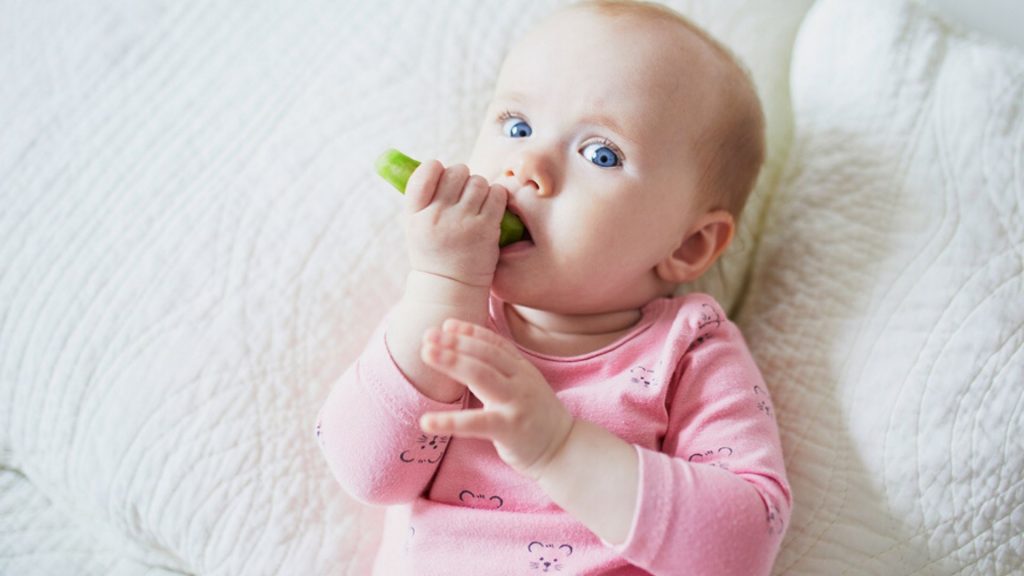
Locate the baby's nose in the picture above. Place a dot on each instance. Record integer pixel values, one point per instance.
(532, 169)
(525, 182)
(527, 187)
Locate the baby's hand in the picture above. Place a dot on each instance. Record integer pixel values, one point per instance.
(452, 223)
(524, 419)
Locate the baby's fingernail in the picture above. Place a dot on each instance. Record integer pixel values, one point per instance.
(428, 351)
(450, 324)
(432, 353)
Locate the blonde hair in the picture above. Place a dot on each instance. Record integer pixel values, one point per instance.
(734, 141)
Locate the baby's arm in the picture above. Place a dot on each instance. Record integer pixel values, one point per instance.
(369, 427)
(451, 227)
(715, 499)
(368, 430)
(717, 492)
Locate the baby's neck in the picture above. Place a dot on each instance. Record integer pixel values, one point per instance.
(567, 334)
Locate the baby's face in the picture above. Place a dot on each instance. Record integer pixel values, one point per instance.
(593, 129)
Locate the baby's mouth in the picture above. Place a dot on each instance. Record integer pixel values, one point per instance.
(527, 237)
(523, 244)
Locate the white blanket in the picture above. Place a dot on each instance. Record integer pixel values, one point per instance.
(887, 308)
(194, 247)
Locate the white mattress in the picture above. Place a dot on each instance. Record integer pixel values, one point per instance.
(195, 247)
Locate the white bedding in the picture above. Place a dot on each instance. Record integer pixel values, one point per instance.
(887, 307)
(194, 247)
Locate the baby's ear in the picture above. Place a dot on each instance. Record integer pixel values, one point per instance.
(702, 244)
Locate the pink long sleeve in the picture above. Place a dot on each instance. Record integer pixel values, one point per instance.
(681, 387)
(716, 494)
(369, 431)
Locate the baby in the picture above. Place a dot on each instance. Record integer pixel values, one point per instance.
(549, 405)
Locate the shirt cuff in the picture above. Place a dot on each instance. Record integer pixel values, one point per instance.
(406, 398)
(651, 510)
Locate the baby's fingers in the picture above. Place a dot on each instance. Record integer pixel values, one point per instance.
(422, 185)
(449, 188)
(473, 347)
(481, 377)
(466, 423)
(494, 204)
(475, 194)
(456, 326)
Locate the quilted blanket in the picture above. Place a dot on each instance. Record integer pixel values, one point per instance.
(194, 247)
(887, 305)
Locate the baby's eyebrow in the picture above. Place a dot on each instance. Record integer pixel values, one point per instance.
(608, 122)
(514, 96)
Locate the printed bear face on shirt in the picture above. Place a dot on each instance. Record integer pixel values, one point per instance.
(776, 525)
(764, 402)
(480, 500)
(709, 317)
(713, 457)
(429, 450)
(641, 375)
(548, 557)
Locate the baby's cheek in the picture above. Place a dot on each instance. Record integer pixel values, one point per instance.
(584, 230)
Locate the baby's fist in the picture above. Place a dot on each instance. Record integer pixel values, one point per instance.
(452, 223)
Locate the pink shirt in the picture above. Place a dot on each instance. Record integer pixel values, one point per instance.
(681, 387)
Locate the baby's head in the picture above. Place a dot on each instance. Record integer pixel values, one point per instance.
(629, 141)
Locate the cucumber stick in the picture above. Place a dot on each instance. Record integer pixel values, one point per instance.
(396, 168)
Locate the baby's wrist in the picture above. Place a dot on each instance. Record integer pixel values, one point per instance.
(430, 289)
(542, 470)
(443, 275)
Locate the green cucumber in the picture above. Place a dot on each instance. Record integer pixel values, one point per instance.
(396, 168)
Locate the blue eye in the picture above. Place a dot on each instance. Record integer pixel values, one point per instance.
(601, 155)
(516, 128)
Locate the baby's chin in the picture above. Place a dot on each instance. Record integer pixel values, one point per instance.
(509, 286)
(560, 296)
(543, 295)
(532, 290)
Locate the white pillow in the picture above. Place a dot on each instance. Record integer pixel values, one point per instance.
(761, 35)
(996, 18)
(886, 308)
(195, 246)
